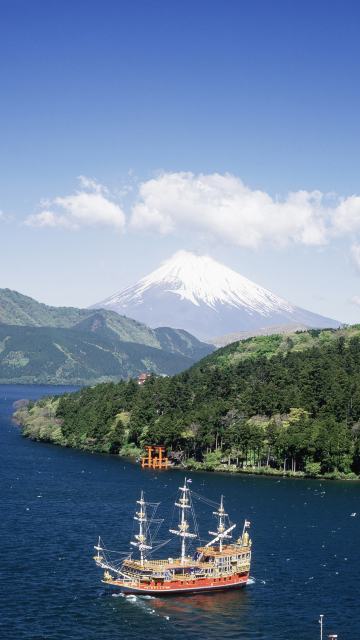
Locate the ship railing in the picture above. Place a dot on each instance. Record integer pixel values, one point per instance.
(158, 563)
(174, 563)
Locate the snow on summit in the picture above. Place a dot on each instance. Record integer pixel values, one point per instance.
(204, 297)
(200, 278)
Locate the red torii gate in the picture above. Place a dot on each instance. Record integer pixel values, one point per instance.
(157, 461)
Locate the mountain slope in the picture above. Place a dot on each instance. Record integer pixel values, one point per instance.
(207, 299)
(280, 345)
(19, 310)
(47, 355)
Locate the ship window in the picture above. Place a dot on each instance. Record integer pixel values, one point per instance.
(193, 581)
(214, 579)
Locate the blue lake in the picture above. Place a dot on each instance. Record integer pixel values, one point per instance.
(55, 502)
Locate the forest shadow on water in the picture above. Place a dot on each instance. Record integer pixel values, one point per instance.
(57, 501)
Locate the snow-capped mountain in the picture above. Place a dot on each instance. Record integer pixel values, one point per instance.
(207, 299)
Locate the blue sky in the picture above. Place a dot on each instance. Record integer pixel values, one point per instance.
(190, 124)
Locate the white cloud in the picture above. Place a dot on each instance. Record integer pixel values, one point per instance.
(82, 209)
(355, 300)
(212, 208)
(346, 216)
(222, 209)
(48, 219)
(88, 183)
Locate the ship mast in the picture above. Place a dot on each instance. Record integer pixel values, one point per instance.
(98, 558)
(221, 531)
(183, 526)
(221, 527)
(141, 537)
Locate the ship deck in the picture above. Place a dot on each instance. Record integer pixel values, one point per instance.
(176, 563)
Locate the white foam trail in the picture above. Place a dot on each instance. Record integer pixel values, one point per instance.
(251, 580)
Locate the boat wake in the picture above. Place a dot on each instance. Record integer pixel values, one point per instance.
(138, 600)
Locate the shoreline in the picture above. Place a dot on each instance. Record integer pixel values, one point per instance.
(275, 473)
(41, 425)
(259, 472)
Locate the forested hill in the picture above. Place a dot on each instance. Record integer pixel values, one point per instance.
(266, 401)
(44, 355)
(280, 344)
(64, 345)
(19, 310)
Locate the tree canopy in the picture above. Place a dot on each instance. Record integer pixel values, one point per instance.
(289, 409)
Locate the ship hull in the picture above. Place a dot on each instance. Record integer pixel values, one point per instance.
(168, 590)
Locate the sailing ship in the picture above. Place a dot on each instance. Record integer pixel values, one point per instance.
(218, 565)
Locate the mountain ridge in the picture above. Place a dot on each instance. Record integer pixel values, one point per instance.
(48, 355)
(17, 309)
(40, 344)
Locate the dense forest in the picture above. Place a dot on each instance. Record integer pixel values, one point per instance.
(295, 410)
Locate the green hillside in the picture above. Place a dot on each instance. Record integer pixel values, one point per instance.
(19, 310)
(43, 355)
(280, 344)
(279, 404)
(64, 345)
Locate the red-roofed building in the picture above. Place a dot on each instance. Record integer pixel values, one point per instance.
(142, 378)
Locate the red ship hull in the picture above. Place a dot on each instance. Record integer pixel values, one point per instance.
(217, 584)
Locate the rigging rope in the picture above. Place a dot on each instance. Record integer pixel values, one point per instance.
(210, 503)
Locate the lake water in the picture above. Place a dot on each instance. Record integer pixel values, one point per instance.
(55, 502)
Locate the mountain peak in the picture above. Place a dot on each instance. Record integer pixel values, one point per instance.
(200, 278)
(206, 298)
